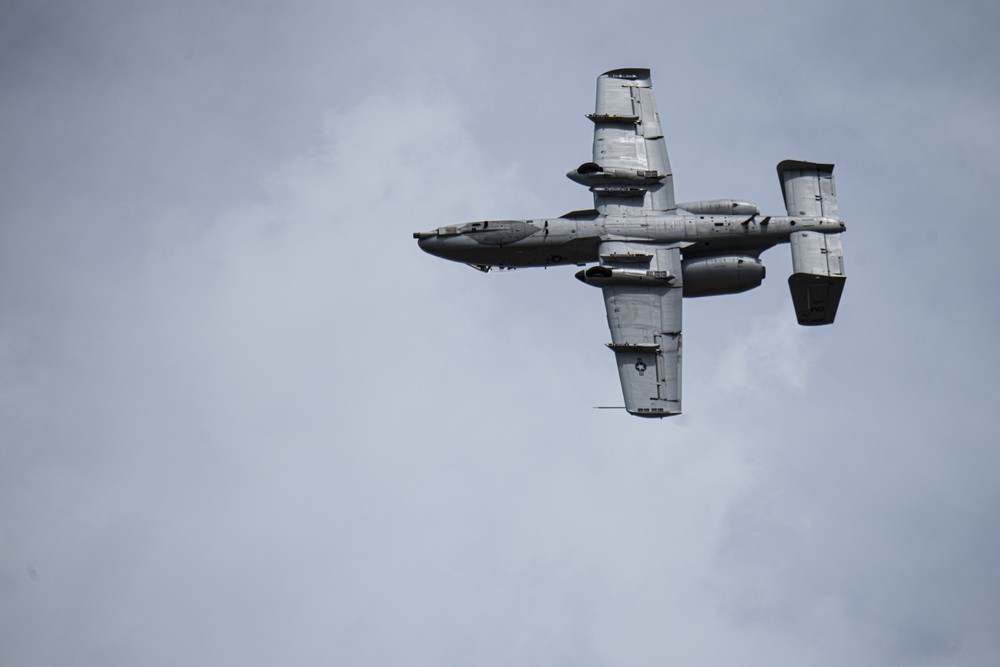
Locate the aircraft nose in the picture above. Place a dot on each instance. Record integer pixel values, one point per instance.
(427, 240)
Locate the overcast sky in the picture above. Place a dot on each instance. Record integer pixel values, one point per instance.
(244, 420)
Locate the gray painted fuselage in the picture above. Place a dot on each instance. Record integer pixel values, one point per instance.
(575, 240)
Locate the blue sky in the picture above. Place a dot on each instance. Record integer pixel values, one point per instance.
(243, 419)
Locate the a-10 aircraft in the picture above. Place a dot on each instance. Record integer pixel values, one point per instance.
(651, 251)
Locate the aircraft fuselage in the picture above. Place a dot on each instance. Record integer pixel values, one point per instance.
(575, 239)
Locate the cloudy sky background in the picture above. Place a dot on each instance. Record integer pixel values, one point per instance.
(244, 420)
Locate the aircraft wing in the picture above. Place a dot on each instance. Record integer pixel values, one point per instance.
(645, 323)
(629, 147)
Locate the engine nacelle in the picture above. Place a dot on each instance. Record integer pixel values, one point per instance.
(721, 274)
(720, 207)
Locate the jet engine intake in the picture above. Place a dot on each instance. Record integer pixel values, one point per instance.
(721, 274)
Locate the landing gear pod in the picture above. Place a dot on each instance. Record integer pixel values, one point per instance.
(603, 276)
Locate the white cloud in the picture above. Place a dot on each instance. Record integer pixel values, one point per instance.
(771, 349)
(283, 434)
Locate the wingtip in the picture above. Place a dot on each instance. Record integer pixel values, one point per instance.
(788, 165)
(631, 73)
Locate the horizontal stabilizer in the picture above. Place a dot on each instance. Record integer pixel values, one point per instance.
(808, 188)
(818, 278)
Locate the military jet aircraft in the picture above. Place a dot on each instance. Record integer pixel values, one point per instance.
(651, 251)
